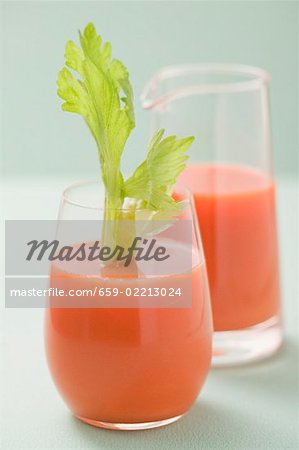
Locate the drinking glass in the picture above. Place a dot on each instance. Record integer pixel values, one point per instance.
(230, 173)
(136, 360)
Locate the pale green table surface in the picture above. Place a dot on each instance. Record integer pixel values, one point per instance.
(253, 407)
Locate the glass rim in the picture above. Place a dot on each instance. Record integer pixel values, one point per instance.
(256, 78)
(188, 198)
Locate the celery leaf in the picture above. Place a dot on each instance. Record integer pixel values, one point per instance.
(154, 178)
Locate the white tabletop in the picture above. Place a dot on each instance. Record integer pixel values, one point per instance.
(252, 407)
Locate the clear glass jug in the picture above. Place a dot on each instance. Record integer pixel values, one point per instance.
(230, 174)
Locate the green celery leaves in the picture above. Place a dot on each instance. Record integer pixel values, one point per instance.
(97, 97)
(98, 88)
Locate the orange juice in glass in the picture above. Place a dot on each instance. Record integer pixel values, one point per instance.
(136, 354)
(129, 340)
(230, 174)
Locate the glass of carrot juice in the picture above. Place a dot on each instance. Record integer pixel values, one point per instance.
(136, 354)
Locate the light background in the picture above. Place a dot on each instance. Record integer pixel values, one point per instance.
(38, 138)
(254, 407)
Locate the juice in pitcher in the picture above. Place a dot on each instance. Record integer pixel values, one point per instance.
(230, 173)
(235, 207)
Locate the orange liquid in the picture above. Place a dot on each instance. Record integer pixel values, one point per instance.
(236, 211)
(129, 365)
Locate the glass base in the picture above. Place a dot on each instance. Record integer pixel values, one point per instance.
(129, 426)
(232, 348)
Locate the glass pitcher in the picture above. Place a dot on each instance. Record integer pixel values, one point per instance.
(230, 174)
